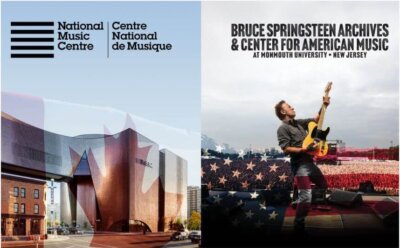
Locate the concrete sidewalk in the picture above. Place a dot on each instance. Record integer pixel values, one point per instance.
(51, 238)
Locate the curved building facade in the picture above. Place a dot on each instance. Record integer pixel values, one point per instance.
(108, 182)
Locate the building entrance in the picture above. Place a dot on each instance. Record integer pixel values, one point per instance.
(19, 226)
(3, 226)
(35, 226)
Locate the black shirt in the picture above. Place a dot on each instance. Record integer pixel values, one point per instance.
(292, 134)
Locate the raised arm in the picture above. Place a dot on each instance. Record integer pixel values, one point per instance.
(326, 100)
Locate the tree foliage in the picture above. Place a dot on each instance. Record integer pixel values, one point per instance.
(194, 222)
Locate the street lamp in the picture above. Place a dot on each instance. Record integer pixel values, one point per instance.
(52, 220)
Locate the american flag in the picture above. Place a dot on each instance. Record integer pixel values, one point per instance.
(230, 172)
(248, 195)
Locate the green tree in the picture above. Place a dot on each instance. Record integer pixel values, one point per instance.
(194, 222)
(185, 223)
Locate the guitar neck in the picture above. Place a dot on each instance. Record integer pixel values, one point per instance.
(321, 117)
(322, 114)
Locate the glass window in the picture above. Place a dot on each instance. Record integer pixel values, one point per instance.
(22, 208)
(36, 209)
(15, 208)
(36, 194)
(23, 192)
(16, 191)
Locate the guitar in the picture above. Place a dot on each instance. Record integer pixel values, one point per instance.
(316, 135)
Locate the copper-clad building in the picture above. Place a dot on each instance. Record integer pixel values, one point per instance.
(173, 188)
(109, 182)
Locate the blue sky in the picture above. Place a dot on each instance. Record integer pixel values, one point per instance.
(162, 87)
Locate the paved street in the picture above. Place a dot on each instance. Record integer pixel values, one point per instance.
(114, 240)
(181, 244)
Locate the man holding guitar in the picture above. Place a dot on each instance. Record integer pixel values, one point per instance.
(302, 146)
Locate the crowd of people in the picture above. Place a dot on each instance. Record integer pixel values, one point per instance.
(371, 163)
(382, 174)
(391, 153)
(366, 167)
(381, 182)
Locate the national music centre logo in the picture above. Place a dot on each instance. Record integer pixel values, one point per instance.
(32, 39)
(102, 39)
